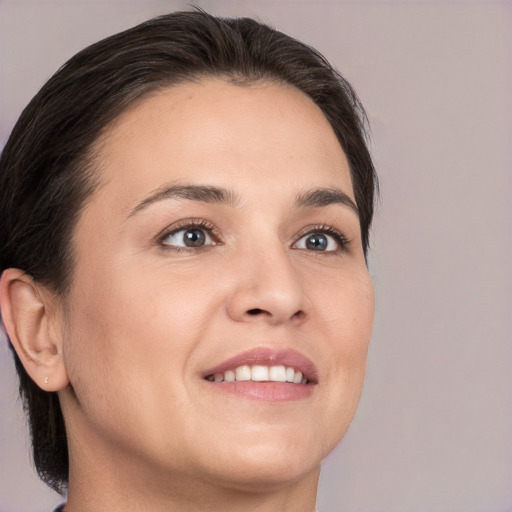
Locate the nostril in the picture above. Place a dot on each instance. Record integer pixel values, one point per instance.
(255, 311)
(300, 315)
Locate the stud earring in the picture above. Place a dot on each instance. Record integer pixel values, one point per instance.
(46, 380)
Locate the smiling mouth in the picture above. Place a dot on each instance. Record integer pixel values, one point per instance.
(264, 374)
(260, 373)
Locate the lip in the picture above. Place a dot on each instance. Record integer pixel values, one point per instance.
(269, 357)
(266, 391)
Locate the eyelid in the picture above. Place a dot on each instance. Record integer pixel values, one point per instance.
(184, 225)
(340, 238)
(191, 223)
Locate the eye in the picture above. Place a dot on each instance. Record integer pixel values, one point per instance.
(191, 236)
(326, 239)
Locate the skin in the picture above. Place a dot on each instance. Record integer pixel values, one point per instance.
(144, 319)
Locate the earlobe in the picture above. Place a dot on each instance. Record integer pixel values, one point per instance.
(26, 315)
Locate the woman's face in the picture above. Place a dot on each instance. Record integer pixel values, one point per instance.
(223, 236)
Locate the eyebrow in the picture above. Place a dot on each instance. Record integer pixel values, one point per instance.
(319, 197)
(203, 193)
(315, 198)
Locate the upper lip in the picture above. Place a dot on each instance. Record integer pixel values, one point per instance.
(269, 357)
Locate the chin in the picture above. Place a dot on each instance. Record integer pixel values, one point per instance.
(270, 462)
(270, 474)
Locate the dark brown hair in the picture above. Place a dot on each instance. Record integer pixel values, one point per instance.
(46, 167)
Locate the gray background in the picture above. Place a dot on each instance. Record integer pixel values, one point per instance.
(433, 431)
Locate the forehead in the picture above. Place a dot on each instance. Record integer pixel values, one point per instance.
(215, 132)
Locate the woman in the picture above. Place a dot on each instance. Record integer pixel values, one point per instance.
(187, 207)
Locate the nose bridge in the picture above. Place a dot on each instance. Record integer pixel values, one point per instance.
(269, 286)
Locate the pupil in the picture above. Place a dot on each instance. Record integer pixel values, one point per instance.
(193, 238)
(316, 242)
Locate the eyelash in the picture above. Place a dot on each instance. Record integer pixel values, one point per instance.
(207, 226)
(342, 241)
(184, 226)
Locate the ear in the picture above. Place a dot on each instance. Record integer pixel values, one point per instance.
(29, 318)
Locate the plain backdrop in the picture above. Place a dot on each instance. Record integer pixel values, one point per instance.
(434, 429)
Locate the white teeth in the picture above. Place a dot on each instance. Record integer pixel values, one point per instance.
(260, 373)
(297, 378)
(243, 373)
(229, 376)
(277, 373)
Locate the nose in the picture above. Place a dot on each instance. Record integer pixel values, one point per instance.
(268, 289)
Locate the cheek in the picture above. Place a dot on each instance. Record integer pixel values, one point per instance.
(129, 344)
(346, 308)
(131, 321)
(355, 326)
(343, 312)
(346, 315)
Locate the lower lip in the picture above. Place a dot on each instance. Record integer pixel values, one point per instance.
(267, 391)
